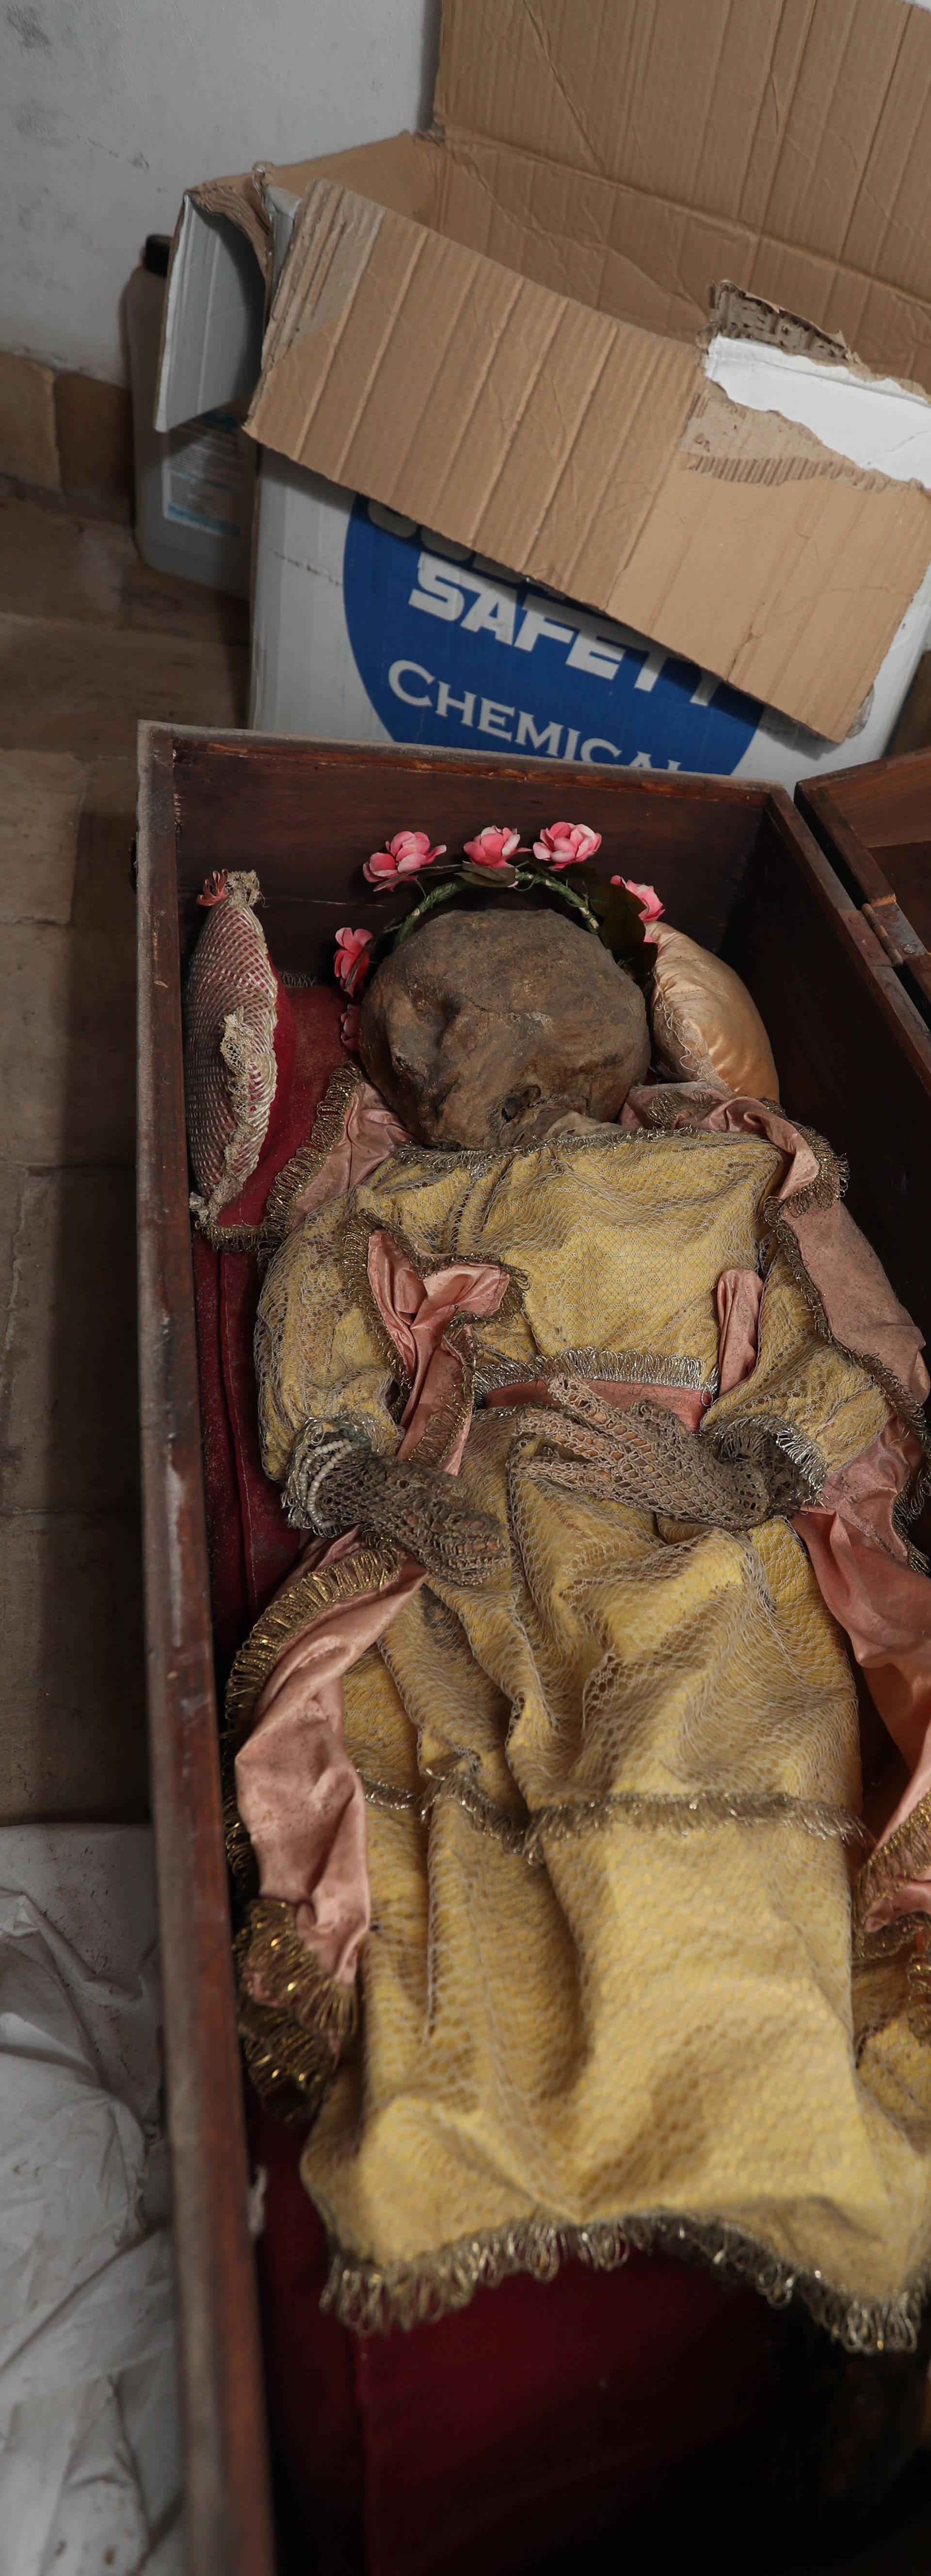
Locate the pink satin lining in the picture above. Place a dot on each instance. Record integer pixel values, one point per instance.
(299, 1795)
(739, 1296)
(370, 1133)
(416, 1311)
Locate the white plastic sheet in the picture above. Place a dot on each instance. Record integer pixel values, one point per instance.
(90, 2480)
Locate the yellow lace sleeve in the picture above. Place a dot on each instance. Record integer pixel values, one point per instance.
(818, 1401)
(320, 1353)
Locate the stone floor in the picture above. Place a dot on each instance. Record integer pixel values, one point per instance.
(90, 641)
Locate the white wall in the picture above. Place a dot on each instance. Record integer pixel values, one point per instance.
(110, 108)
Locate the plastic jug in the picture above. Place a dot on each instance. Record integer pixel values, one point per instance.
(195, 486)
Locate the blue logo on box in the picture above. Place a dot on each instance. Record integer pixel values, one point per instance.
(453, 650)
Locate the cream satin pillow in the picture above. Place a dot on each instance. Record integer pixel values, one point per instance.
(705, 1026)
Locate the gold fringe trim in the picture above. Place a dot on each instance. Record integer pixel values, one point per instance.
(369, 2297)
(306, 1599)
(633, 1368)
(292, 2045)
(373, 1569)
(906, 1855)
(224, 1238)
(439, 1439)
(656, 1811)
(748, 1439)
(327, 1131)
(480, 1159)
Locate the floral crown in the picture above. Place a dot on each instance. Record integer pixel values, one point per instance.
(621, 914)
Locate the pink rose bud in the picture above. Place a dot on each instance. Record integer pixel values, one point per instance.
(651, 907)
(349, 1026)
(565, 845)
(214, 888)
(403, 857)
(350, 962)
(495, 847)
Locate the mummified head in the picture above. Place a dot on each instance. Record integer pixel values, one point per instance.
(484, 1028)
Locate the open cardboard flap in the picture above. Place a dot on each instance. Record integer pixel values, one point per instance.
(493, 329)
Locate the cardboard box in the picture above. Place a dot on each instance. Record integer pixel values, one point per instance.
(491, 333)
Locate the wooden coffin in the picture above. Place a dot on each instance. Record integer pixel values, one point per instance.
(738, 869)
(875, 826)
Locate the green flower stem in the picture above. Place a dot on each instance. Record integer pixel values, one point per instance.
(540, 880)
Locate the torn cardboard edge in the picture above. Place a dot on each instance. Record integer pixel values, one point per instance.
(741, 316)
(738, 315)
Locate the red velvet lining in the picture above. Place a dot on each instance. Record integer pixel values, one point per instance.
(540, 2415)
(537, 2418)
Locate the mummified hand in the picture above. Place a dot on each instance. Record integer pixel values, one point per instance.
(644, 1455)
(337, 1483)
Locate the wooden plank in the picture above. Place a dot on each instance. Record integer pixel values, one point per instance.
(912, 730)
(853, 1054)
(887, 802)
(228, 2514)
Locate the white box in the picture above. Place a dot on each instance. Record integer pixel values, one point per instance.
(367, 628)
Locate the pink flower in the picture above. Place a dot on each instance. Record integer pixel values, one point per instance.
(494, 847)
(565, 845)
(350, 963)
(214, 888)
(647, 897)
(349, 1026)
(408, 852)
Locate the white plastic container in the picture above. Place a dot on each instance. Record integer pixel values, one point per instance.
(195, 485)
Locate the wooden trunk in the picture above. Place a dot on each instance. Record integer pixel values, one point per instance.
(736, 868)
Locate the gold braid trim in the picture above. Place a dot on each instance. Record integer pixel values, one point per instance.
(477, 1160)
(629, 1368)
(328, 1130)
(569, 1818)
(370, 2297)
(906, 1855)
(225, 1238)
(292, 2045)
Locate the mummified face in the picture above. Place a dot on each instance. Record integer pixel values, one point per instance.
(486, 1028)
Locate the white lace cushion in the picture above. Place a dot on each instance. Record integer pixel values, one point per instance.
(230, 1070)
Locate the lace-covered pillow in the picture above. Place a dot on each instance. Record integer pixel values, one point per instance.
(231, 1009)
(705, 1026)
